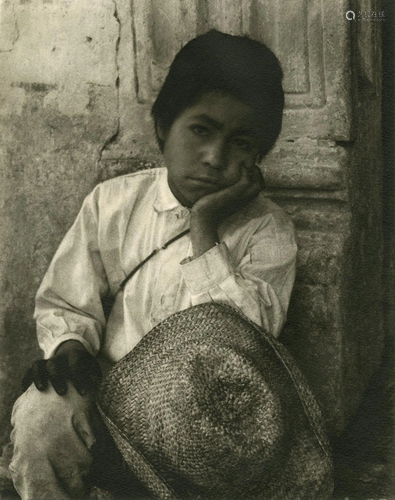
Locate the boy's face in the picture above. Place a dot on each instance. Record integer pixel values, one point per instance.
(207, 146)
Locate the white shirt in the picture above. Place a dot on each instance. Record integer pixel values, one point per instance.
(120, 223)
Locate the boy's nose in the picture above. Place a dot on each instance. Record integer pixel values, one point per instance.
(214, 155)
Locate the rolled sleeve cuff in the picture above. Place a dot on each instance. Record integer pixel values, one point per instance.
(208, 270)
(49, 350)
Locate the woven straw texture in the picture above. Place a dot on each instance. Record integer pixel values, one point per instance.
(209, 406)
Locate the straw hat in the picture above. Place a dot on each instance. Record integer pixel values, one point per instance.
(209, 406)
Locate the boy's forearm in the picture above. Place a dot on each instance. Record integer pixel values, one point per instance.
(203, 235)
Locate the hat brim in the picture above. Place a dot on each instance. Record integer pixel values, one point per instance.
(138, 463)
(310, 445)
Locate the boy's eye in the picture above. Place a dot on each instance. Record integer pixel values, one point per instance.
(244, 144)
(200, 130)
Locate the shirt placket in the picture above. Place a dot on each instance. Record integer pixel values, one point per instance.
(169, 278)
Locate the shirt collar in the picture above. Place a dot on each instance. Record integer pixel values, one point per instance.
(165, 199)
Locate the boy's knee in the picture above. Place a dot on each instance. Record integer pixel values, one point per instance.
(32, 420)
(39, 416)
(52, 435)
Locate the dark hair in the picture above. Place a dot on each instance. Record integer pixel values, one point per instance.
(234, 65)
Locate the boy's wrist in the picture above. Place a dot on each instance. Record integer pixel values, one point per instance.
(69, 345)
(203, 221)
(203, 234)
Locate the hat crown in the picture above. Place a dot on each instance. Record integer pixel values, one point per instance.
(218, 411)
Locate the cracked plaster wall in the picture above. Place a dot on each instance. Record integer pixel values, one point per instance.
(58, 110)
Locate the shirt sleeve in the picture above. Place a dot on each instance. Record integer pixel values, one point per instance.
(260, 285)
(68, 302)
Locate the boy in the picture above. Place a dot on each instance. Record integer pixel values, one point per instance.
(218, 114)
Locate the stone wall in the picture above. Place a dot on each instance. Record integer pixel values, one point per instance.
(78, 79)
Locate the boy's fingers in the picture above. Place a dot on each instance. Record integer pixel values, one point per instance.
(85, 385)
(27, 380)
(254, 176)
(221, 204)
(233, 198)
(257, 177)
(85, 373)
(251, 181)
(255, 183)
(249, 185)
(81, 385)
(58, 373)
(76, 365)
(86, 381)
(60, 385)
(40, 374)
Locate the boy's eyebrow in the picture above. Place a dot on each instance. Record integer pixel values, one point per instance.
(220, 126)
(209, 120)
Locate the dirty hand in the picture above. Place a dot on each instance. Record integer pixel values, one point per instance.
(210, 210)
(213, 208)
(71, 362)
